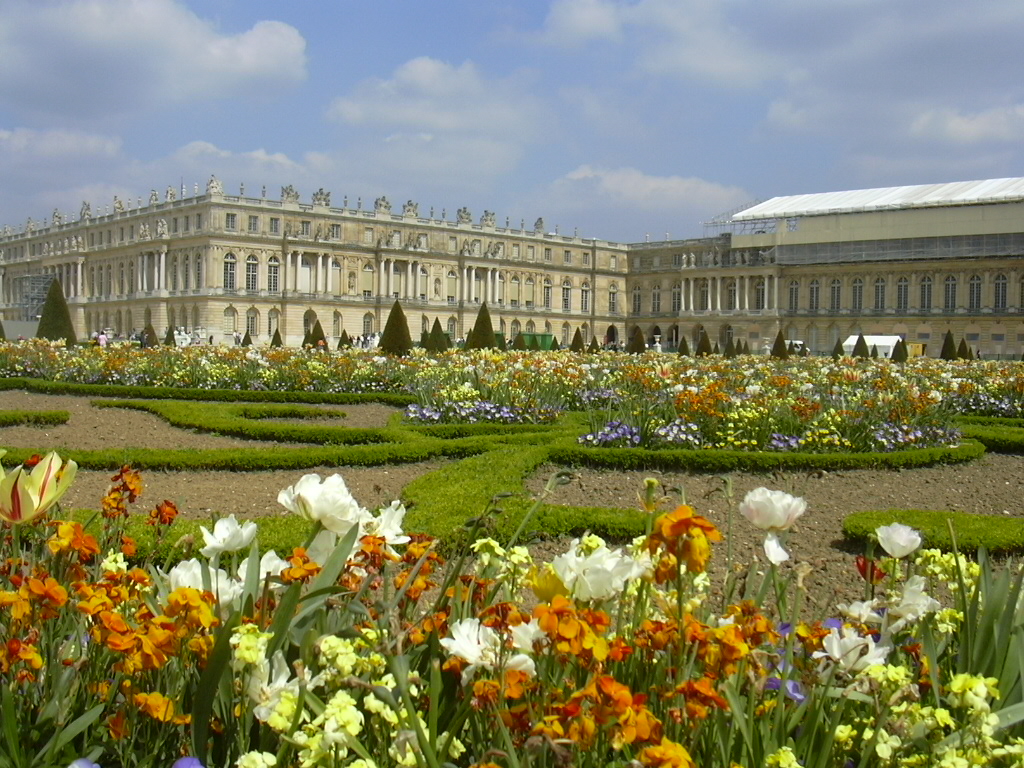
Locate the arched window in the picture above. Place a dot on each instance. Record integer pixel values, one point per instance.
(252, 322)
(926, 293)
(566, 295)
(252, 273)
(636, 300)
(974, 293)
(705, 295)
(902, 294)
(274, 274)
(677, 298)
(230, 320)
(186, 272)
(814, 296)
(530, 326)
(367, 324)
(999, 292)
(730, 295)
(613, 299)
(879, 293)
(120, 278)
(547, 293)
(656, 298)
(229, 272)
(273, 322)
(336, 325)
(794, 295)
(451, 327)
(949, 293)
(198, 272)
(173, 269)
(835, 294)
(759, 293)
(857, 295)
(565, 334)
(585, 297)
(515, 327)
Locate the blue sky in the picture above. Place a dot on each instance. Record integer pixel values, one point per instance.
(618, 119)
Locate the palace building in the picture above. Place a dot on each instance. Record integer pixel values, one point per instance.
(913, 261)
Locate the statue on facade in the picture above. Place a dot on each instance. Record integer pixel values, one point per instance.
(170, 195)
(487, 220)
(161, 227)
(67, 244)
(7, 230)
(144, 231)
(381, 205)
(463, 216)
(538, 225)
(289, 194)
(30, 226)
(58, 217)
(85, 212)
(214, 186)
(154, 198)
(321, 197)
(411, 209)
(118, 205)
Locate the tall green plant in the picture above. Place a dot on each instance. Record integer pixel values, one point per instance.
(482, 334)
(55, 321)
(396, 340)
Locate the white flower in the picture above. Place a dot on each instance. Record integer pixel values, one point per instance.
(256, 760)
(481, 646)
(599, 575)
(914, 603)
(866, 612)
(526, 635)
(328, 502)
(851, 651)
(898, 540)
(773, 550)
(387, 524)
(772, 510)
(227, 536)
(270, 564)
(114, 562)
(189, 573)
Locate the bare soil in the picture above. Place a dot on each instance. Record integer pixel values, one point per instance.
(991, 485)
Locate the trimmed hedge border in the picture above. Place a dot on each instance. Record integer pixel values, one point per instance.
(997, 533)
(33, 418)
(997, 433)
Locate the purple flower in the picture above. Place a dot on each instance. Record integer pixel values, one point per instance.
(83, 763)
(187, 762)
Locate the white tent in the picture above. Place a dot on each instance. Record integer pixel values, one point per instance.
(883, 344)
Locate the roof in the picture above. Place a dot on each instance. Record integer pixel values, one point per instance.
(887, 198)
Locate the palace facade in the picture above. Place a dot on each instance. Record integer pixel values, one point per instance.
(913, 261)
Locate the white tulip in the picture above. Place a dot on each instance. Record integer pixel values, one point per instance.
(773, 550)
(329, 502)
(772, 510)
(851, 651)
(898, 540)
(227, 536)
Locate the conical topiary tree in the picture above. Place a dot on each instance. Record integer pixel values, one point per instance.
(276, 340)
(779, 350)
(703, 346)
(730, 348)
(874, 351)
(837, 350)
(317, 339)
(860, 348)
(554, 345)
(482, 334)
(684, 347)
(395, 340)
(55, 321)
(439, 341)
(636, 344)
(746, 347)
(899, 352)
(169, 340)
(577, 344)
(247, 340)
(594, 346)
(963, 352)
(519, 342)
(344, 341)
(149, 337)
(717, 349)
(948, 351)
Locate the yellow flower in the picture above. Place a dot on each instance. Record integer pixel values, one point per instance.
(28, 492)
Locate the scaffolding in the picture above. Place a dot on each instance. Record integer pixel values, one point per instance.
(30, 295)
(723, 222)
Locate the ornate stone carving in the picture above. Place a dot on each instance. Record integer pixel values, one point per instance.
(171, 194)
(161, 227)
(144, 231)
(85, 212)
(118, 205)
(487, 220)
(463, 216)
(538, 225)
(411, 209)
(322, 197)
(381, 205)
(214, 186)
(30, 226)
(154, 198)
(289, 194)
(58, 217)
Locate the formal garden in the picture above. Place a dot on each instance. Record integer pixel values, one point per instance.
(428, 631)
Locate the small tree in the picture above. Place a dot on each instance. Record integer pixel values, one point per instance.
(963, 352)
(276, 341)
(874, 351)
(396, 340)
(730, 348)
(169, 340)
(439, 340)
(55, 322)
(594, 346)
(779, 350)
(344, 341)
(519, 342)
(703, 345)
(577, 344)
(555, 345)
(149, 337)
(837, 350)
(317, 338)
(482, 335)
(684, 347)
(860, 348)
(247, 340)
(717, 349)
(899, 352)
(636, 344)
(948, 347)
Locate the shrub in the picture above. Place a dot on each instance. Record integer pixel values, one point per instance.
(948, 347)
(276, 340)
(963, 352)
(395, 340)
(837, 350)
(149, 337)
(970, 532)
(577, 344)
(482, 334)
(247, 340)
(684, 347)
(519, 342)
(594, 346)
(3, 336)
(860, 348)
(703, 346)
(55, 321)
(169, 340)
(779, 350)
(636, 344)
(316, 337)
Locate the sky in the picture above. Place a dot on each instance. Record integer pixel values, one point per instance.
(623, 120)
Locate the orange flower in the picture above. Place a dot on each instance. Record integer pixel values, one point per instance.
(163, 513)
(196, 607)
(130, 480)
(700, 696)
(302, 568)
(684, 535)
(117, 726)
(70, 535)
(571, 632)
(159, 707)
(667, 754)
(20, 607)
(128, 547)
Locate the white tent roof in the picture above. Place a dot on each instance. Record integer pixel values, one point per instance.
(887, 198)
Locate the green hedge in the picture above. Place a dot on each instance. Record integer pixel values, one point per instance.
(997, 533)
(997, 435)
(717, 461)
(34, 418)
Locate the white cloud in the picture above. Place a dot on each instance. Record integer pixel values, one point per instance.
(633, 188)
(22, 144)
(999, 124)
(87, 58)
(579, 21)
